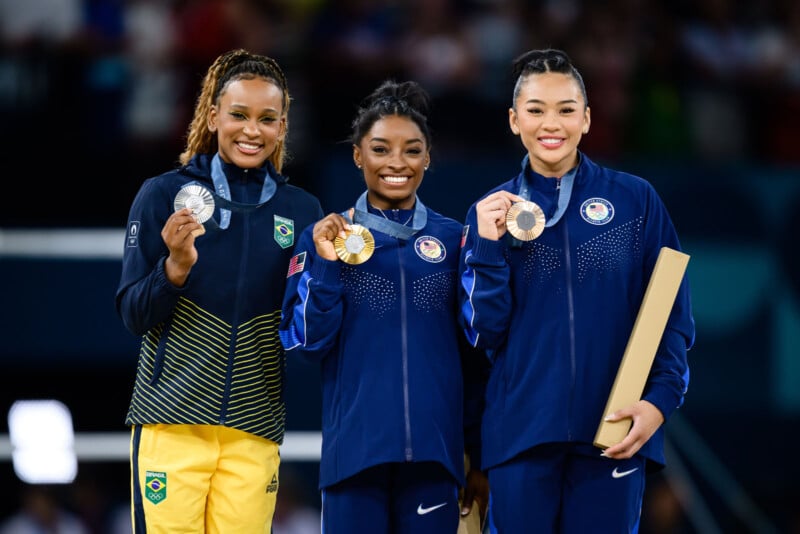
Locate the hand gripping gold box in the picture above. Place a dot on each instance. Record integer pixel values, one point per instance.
(648, 329)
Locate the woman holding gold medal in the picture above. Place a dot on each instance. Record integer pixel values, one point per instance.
(202, 282)
(554, 267)
(374, 301)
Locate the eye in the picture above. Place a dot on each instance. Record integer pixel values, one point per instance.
(534, 111)
(414, 151)
(269, 120)
(379, 149)
(238, 115)
(567, 110)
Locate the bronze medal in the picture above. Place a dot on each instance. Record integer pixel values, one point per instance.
(525, 220)
(356, 247)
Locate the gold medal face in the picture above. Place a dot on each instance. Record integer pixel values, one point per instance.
(356, 247)
(525, 220)
(198, 198)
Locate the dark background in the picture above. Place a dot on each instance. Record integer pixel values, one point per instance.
(700, 98)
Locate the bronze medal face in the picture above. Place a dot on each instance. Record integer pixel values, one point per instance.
(525, 220)
(198, 198)
(356, 247)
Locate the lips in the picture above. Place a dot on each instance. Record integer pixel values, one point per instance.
(249, 148)
(396, 180)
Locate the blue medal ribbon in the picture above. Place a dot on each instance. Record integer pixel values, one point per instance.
(222, 195)
(373, 222)
(564, 192)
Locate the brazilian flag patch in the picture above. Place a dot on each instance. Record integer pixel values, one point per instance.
(284, 231)
(155, 486)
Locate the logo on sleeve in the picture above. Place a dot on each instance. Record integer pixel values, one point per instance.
(133, 233)
(296, 264)
(464, 232)
(597, 211)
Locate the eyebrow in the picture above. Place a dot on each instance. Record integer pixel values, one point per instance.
(560, 102)
(410, 141)
(245, 107)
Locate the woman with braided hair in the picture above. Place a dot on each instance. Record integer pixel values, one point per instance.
(203, 272)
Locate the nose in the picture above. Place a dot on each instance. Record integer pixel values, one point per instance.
(397, 161)
(250, 128)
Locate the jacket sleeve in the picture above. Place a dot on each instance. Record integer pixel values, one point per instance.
(484, 289)
(668, 381)
(313, 303)
(144, 296)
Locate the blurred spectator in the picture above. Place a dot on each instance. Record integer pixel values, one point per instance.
(42, 509)
(353, 43)
(716, 47)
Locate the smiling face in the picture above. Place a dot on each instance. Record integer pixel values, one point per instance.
(393, 155)
(249, 121)
(550, 116)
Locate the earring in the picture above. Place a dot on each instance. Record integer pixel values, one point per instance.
(426, 167)
(357, 165)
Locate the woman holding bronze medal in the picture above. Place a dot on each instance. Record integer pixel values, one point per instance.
(554, 267)
(374, 301)
(203, 275)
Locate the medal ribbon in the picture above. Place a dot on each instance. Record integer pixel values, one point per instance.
(223, 194)
(564, 192)
(373, 222)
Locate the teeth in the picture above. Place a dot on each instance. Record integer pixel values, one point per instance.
(396, 179)
(551, 141)
(248, 146)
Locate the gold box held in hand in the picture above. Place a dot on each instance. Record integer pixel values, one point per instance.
(659, 297)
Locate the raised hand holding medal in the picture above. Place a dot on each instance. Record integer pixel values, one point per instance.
(199, 200)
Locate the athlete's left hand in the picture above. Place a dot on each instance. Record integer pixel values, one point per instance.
(646, 420)
(476, 492)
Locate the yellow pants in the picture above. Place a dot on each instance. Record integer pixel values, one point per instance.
(202, 479)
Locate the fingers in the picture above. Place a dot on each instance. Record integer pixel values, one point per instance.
(329, 227)
(491, 213)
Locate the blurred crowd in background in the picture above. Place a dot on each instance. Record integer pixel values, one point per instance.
(702, 97)
(106, 87)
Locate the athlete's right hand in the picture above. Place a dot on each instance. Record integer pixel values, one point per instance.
(491, 213)
(326, 230)
(178, 234)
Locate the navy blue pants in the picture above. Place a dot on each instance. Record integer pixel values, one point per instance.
(395, 498)
(565, 488)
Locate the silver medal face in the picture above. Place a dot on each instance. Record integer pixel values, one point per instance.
(198, 199)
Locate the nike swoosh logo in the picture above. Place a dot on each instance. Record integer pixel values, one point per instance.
(620, 474)
(421, 510)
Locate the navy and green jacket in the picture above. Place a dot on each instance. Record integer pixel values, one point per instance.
(210, 351)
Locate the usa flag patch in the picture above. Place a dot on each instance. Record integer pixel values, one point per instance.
(296, 264)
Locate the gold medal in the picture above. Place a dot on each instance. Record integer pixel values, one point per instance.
(525, 220)
(356, 247)
(199, 200)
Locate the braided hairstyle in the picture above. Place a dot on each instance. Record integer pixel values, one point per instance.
(541, 61)
(232, 66)
(404, 99)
